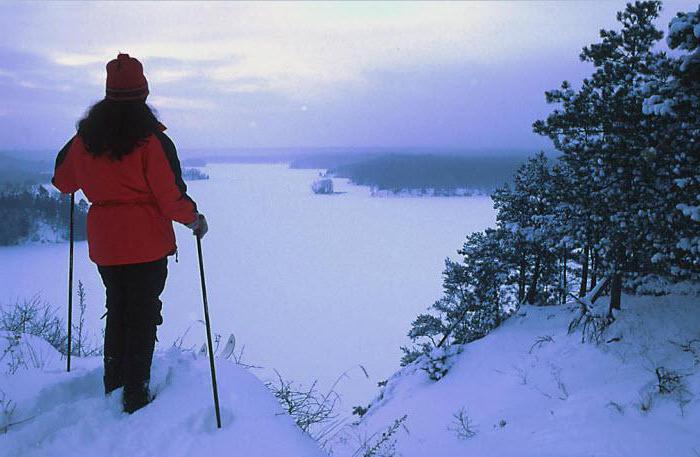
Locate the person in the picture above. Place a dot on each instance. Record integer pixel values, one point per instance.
(128, 169)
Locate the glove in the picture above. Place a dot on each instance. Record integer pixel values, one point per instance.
(199, 226)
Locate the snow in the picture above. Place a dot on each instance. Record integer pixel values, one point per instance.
(315, 286)
(310, 285)
(26, 351)
(59, 413)
(557, 397)
(658, 106)
(692, 211)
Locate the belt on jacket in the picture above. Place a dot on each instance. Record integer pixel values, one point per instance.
(126, 201)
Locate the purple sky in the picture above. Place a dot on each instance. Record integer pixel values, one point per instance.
(467, 75)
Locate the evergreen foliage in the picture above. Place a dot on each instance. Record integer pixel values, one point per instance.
(622, 200)
(441, 173)
(24, 212)
(194, 174)
(674, 106)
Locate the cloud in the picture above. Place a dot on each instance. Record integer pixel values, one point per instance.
(6, 74)
(168, 75)
(75, 59)
(300, 50)
(28, 77)
(181, 103)
(370, 73)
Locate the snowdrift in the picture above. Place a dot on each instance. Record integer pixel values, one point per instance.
(61, 414)
(531, 389)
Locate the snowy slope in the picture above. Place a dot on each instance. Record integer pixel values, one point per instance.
(558, 398)
(68, 414)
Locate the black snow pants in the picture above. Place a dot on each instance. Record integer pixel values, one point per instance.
(133, 312)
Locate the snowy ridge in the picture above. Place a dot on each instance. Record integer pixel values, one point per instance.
(60, 413)
(531, 389)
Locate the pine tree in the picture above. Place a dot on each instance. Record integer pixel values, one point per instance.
(574, 131)
(606, 141)
(525, 210)
(620, 166)
(623, 198)
(673, 104)
(475, 297)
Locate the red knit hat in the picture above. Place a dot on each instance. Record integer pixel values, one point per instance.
(125, 79)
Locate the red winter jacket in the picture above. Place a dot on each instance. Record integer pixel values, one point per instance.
(134, 200)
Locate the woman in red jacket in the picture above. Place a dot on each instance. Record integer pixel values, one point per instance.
(128, 169)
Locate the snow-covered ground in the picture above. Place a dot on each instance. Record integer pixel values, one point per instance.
(311, 285)
(527, 389)
(67, 414)
(531, 389)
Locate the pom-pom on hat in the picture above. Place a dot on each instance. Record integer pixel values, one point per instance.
(125, 79)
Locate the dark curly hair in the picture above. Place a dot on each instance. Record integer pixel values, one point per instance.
(115, 128)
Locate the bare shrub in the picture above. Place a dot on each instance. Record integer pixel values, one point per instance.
(381, 444)
(7, 411)
(616, 406)
(228, 352)
(83, 346)
(692, 347)
(36, 317)
(540, 341)
(462, 425)
(521, 375)
(593, 326)
(668, 381)
(646, 402)
(179, 342)
(556, 375)
(17, 355)
(307, 406)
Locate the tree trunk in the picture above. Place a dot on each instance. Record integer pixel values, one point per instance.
(497, 309)
(615, 292)
(521, 280)
(563, 292)
(594, 267)
(532, 292)
(584, 272)
(602, 288)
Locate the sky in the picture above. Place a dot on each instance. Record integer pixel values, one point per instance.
(468, 75)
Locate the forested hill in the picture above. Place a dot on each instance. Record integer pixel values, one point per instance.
(29, 212)
(34, 214)
(442, 173)
(15, 171)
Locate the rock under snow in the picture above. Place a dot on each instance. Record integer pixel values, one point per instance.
(322, 186)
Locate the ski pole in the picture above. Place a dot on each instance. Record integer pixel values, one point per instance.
(208, 326)
(70, 280)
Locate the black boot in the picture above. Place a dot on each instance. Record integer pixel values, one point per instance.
(136, 397)
(136, 379)
(113, 378)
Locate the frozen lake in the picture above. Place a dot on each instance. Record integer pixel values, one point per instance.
(312, 285)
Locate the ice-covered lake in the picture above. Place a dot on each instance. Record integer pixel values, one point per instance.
(312, 285)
